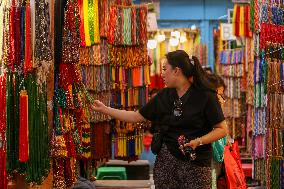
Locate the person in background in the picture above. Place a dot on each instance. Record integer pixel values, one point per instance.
(187, 107)
(220, 87)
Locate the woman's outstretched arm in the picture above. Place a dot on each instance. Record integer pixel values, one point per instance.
(122, 115)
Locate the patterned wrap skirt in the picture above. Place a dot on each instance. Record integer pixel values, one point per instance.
(172, 173)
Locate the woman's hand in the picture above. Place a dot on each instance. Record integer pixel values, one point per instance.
(99, 106)
(193, 144)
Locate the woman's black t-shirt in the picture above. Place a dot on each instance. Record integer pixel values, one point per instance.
(200, 112)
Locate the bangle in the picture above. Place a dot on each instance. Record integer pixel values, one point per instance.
(199, 141)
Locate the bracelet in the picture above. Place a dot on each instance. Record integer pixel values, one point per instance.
(199, 141)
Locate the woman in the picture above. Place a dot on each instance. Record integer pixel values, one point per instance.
(189, 107)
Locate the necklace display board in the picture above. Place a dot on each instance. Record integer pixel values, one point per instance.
(109, 64)
(25, 61)
(267, 25)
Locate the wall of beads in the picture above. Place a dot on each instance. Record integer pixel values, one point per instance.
(96, 78)
(232, 69)
(234, 63)
(96, 72)
(110, 64)
(72, 131)
(129, 66)
(267, 24)
(26, 67)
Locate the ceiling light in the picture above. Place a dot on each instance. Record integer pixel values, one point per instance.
(175, 34)
(193, 27)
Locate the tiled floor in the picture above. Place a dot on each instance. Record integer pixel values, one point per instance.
(138, 185)
(153, 186)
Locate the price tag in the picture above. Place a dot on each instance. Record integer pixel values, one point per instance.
(227, 32)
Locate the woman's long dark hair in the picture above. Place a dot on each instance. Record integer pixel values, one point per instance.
(190, 66)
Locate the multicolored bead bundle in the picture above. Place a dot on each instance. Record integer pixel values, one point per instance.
(241, 21)
(89, 22)
(127, 143)
(127, 25)
(101, 140)
(96, 75)
(201, 52)
(234, 56)
(233, 70)
(96, 78)
(128, 57)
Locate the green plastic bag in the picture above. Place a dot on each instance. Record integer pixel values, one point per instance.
(218, 149)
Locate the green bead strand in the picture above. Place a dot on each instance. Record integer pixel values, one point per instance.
(91, 20)
(11, 145)
(252, 9)
(275, 174)
(39, 161)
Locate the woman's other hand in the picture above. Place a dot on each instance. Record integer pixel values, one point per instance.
(193, 144)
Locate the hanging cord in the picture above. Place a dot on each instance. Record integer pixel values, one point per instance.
(12, 34)
(96, 22)
(91, 20)
(127, 26)
(3, 131)
(118, 34)
(2, 16)
(11, 145)
(81, 28)
(256, 15)
(17, 37)
(28, 61)
(143, 24)
(39, 162)
(43, 52)
(6, 40)
(112, 24)
(133, 26)
(86, 22)
(103, 9)
(138, 28)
